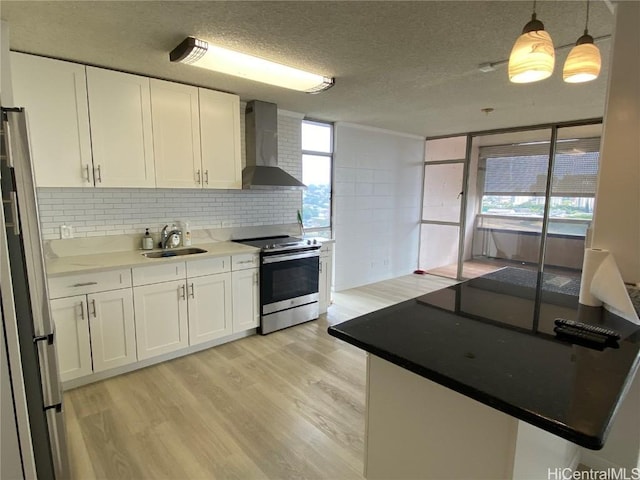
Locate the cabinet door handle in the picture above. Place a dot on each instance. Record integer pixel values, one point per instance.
(99, 177)
(198, 177)
(206, 177)
(81, 310)
(84, 284)
(183, 292)
(86, 167)
(193, 291)
(320, 267)
(93, 303)
(255, 278)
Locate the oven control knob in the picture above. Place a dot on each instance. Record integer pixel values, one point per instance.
(308, 242)
(273, 245)
(315, 241)
(267, 247)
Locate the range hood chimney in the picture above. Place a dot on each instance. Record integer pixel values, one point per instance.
(261, 135)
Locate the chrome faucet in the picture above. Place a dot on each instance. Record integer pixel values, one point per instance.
(171, 238)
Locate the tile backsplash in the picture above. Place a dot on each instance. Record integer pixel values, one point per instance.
(115, 211)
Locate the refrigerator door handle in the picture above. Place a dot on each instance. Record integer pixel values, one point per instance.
(14, 213)
(50, 380)
(58, 439)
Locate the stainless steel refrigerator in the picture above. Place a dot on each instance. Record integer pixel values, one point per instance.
(36, 370)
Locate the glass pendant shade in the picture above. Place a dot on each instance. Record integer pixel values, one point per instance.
(532, 57)
(583, 63)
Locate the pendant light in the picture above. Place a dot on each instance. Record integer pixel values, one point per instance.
(583, 62)
(532, 56)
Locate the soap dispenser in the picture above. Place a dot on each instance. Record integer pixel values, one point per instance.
(186, 234)
(147, 241)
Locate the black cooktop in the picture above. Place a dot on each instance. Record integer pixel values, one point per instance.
(484, 339)
(280, 242)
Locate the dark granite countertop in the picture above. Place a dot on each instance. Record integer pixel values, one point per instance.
(483, 339)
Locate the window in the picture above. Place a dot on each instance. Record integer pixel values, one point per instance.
(515, 178)
(317, 162)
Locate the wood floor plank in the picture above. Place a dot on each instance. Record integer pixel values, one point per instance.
(286, 405)
(108, 447)
(79, 460)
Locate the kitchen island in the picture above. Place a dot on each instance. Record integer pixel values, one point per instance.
(471, 382)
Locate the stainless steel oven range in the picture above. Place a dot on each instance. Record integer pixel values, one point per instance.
(289, 270)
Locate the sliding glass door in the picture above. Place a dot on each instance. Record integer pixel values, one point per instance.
(505, 216)
(442, 205)
(571, 202)
(520, 199)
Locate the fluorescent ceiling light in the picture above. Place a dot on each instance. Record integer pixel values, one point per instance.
(199, 53)
(543, 142)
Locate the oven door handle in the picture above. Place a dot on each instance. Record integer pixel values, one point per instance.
(290, 256)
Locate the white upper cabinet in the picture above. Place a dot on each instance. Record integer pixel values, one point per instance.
(95, 127)
(54, 94)
(220, 139)
(176, 135)
(121, 131)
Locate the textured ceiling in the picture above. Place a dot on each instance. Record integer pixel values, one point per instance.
(406, 66)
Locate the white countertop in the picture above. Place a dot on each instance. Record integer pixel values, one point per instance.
(135, 258)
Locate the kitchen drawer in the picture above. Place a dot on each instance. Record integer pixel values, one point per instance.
(210, 266)
(82, 283)
(158, 273)
(245, 261)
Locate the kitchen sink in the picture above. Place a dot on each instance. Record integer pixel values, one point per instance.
(174, 252)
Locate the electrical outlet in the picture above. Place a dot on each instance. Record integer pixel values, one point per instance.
(66, 231)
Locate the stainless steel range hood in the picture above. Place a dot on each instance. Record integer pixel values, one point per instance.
(261, 135)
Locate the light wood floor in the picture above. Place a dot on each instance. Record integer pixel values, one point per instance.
(479, 267)
(470, 269)
(287, 405)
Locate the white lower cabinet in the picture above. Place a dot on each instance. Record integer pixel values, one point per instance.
(325, 281)
(72, 336)
(246, 302)
(210, 310)
(94, 332)
(160, 318)
(113, 331)
(150, 311)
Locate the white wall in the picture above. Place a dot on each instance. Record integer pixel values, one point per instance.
(116, 211)
(616, 224)
(377, 195)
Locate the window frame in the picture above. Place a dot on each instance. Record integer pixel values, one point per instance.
(328, 155)
(523, 151)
